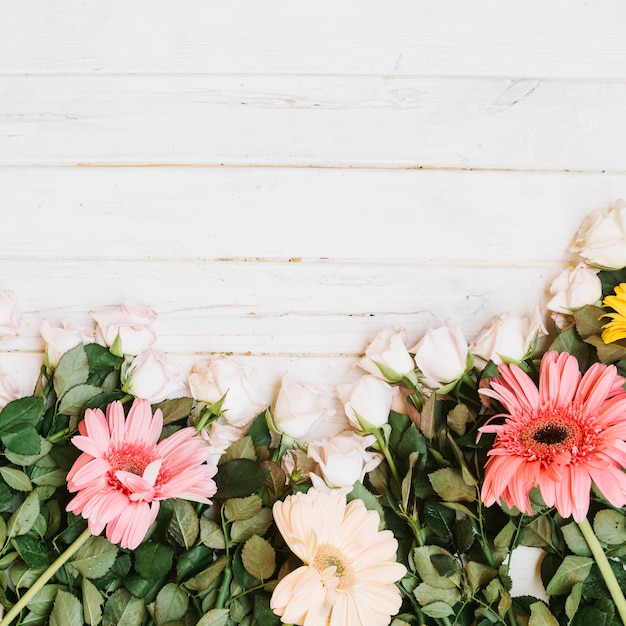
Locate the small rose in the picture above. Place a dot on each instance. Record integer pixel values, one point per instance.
(442, 355)
(601, 238)
(366, 401)
(10, 315)
(152, 377)
(573, 288)
(126, 329)
(224, 378)
(507, 337)
(219, 437)
(60, 339)
(342, 460)
(9, 389)
(296, 465)
(387, 357)
(298, 409)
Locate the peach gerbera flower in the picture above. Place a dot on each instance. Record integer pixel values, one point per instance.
(123, 472)
(350, 567)
(560, 437)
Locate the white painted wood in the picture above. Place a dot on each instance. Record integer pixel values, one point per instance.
(537, 39)
(330, 121)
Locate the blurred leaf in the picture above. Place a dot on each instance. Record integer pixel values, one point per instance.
(67, 610)
(25, 516)
(95, 558)
(49, 477)
(76, 398)
(459, 417)
(259, 558)
(171, 604)
(479, 575)
(215, 617)
(569, 341)
(184, 525)
(573, 569)
(72, 370)
(609, 279)
(610, 527)
(16, 479)
(123, 609)
(540, 615)
(92, 603)
(211, 534)
(153, 560)
(587, 321)
(239, 478)
(242, 508)
(427, 417)
(32, 550)
(450, 486)
(241, 530)
(371, 502)
(573, 600)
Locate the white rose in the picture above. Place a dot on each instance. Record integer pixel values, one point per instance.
(368, 399)
(126, 329)
(507, 336)
(601, 238)
(441, 355)
(152, 377)
(298, 409)
(9, 389)
(10, 315)
(342, 460)
(296, 465)
(224, 376)
(574, 288)
(388, 348)
(61, 339)
(219, 438)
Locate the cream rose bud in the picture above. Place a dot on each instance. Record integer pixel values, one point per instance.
(574, 288)
(60, 339)
(388, 348)
(341, 460)
(601, 238)
(10, 315)
(441, 355)
(298, 408)
(507, 336)
(126, 329)
(9, 389)
(367, 399)
(221, 376)
(152, 377)
(219, 437)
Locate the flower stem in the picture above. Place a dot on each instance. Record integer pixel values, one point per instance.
(385, 450)
(45, 577)
(603, 565)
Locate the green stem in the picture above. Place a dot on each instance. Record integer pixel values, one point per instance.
(603, 565)
(224, 589)
(385, 450)
(45, 577)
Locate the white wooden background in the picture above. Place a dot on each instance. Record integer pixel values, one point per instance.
(281, 179)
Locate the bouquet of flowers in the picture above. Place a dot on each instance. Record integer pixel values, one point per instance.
(131, 497)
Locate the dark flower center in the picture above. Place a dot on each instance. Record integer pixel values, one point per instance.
(551, 434)
(547, 437)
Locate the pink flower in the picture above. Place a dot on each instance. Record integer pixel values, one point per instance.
(560, 437)
(123, 472)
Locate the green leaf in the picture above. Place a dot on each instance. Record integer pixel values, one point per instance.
(575, 540)
(573, 569)
(43, 601)
(95, 558)
(153, 560)
(215, 617)
(538, 533)
(241, 530)
(193, 561)
(16, 479)
(238, 478)
(27, 410)
(25, 516)
(21, 439)
(67, 610)
(450, 486)
(203, 580)
(242, 449)
(263, 614)
(184, 526)
(607, 352)
(175, 409)
(259, 558)
(569, 341)
(427, 594)
(371, 502)
(427, 571)
(438, 609)
(259, 432)
(75, 399)
(92, 603)
(72, 370)
(123, 609)
(479, 575)
(438, 518)
(211, 534)
(540, 615)
(242, 508)
(26, 460)
(171, 604)
(573, 600)
(32, 550)
(49, 476)
(610, 527)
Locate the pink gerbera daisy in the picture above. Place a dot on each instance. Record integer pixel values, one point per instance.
(560, 437)
(123, 472)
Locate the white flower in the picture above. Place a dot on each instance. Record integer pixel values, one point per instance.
(366, 401)
(601, 238)
(342, 460)
(126, 329)
(10, 315)
(388, 351)
(507, 337)
(61, 339)
(221, 376)
(573, 288)
(219, 438)
(298, 408)
(153, 377)
(441, 355)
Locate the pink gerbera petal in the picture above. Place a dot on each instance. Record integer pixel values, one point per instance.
(572, 436)
(123, 472)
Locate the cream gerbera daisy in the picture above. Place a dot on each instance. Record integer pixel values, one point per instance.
(350, 567)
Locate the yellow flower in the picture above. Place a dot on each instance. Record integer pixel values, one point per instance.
(616, 328)
(350, 568)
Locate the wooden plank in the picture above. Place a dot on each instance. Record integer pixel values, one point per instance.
(437, 217)
(398, 37)
(330, 121)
